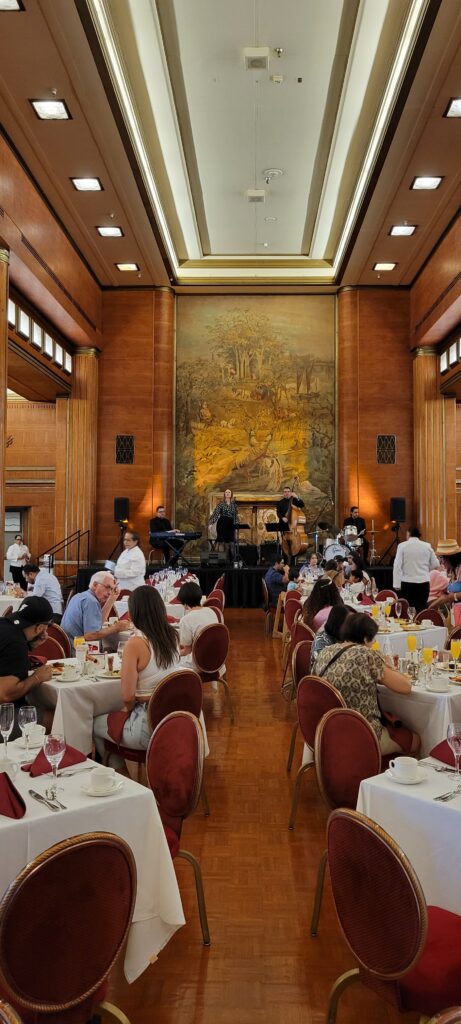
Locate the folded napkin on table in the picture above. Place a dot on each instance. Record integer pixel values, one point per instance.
(443, 753)
(11, 803)
(35, 660)
(171, 618)
(174, 600)
(41, 766)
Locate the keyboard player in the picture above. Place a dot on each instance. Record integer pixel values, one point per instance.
(160, 524)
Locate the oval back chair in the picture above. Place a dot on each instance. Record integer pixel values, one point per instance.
(50, 649)
(382, 594)
(209, 652)
(300, 666)
(403, 608)
(8, 1015)
(293, 609)
(90, 882)
(299, 631)
(218, 612)
(292, 595)
(454, 635)
(377, 895)
(179, 691)
(314, 698)
(57, 633)
(220, 584)
(433, 614)
(212, 602)
(174, 766)
(269, 610)
(217, 594)
(346, 751)
(451, 1016)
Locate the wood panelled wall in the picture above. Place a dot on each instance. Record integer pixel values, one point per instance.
(374, 397)
(126, 406)
(435, 309)
(31, 468)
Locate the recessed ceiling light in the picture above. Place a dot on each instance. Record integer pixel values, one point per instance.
(11, 5)
(454, 107)
(270, 220)
(127, 266)
(110, 232)
(403, 229)
(51, 110)
(426, 182)
(384, 266)
(87, 184)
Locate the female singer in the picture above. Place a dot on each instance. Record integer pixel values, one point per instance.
(225, 516)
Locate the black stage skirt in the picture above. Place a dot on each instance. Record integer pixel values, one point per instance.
(225, 529)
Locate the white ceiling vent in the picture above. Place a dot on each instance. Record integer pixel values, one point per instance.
(256, 58)
(256, 195)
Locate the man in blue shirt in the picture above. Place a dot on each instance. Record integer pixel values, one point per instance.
(42, 583)
(276, 579)
(86, 612)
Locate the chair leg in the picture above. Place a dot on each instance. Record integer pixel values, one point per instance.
(108, 1012)
(338, 988)
(223, 680)
(200, 894)
(319, 893)
(292, 747)
(294, 804)
(206, 806)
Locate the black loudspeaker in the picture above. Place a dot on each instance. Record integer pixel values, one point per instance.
(249, 554)
(121, 510)
(397, 510)
(267, 552)
(213, 558)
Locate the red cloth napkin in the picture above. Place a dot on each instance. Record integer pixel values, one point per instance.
(35, 660)
(171, 618)
(11, 803)
(443, 753)
(125, 617)
(115, 725)
(41, 766)
(174, 600)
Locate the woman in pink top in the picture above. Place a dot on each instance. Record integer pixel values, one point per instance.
(317, 608)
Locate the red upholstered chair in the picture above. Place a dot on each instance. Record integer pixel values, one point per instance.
(454, 635)
(124, 593)
(403, 608)
(8, 610)
(220, 584)
(293, 595)
(8, 1015)
(346, 751)
(179, 691)
(451, 1016)
(49, 649)
(299, 631)
(57, 633)
(314, 698)
(300, 666)
(174, 766)
(382, 594)
(269, 609)
(88, 884)
(213, 602)
(433, 614)
(408, 953)
(292, 609)
(216, 610)
(209, 652)
(217, 594)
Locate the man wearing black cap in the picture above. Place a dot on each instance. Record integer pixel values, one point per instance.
(19, 633)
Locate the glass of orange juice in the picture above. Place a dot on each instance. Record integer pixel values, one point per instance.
(375, 646)
(411, 643)
(455, 648)
(374, 610)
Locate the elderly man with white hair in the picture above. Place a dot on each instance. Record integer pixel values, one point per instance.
(86, 612)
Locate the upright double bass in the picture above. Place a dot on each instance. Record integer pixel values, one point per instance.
(294, 540)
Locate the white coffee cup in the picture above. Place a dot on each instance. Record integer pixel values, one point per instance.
(69, 672)
(102, 779)
(405, 768)
(437, 685)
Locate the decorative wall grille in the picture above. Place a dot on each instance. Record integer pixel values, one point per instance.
(386, 449)
(124, 449)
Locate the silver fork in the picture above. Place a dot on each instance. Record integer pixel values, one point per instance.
(52, 798)
(445, 797)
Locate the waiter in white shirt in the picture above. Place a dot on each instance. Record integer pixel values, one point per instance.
(18, 554)
(413, 564)
(130, 569)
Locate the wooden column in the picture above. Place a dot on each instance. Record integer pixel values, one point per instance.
(80, 423)
(348, 402)
(435, 450)
(163, 411)
(4, 268)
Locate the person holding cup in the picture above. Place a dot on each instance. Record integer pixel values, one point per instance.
(355, 669)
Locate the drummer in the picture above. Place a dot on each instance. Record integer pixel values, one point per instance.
(358, 528)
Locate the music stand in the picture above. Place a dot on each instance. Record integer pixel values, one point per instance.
(278, 528)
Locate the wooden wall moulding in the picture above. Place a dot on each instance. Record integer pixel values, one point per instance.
(435, 451)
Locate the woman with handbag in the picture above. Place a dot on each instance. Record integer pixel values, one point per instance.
(355, 669)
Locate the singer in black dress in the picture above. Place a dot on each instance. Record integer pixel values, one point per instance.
(225, 517)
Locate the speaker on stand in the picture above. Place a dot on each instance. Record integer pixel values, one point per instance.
(121, 516)
(397, 513)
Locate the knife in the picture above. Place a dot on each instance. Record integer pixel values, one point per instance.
(42, 800)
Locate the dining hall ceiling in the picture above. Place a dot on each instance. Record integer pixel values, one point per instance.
(287, 175)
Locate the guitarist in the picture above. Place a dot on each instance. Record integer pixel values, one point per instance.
(354, 519)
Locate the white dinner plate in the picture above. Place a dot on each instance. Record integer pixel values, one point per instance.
(107, 675)
(438, 689)
(89, 791)
(407, 782)
(65, 679)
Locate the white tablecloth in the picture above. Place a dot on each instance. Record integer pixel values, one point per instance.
(6, 601)
(396, 643)
(176, 610)
(424, 712)
(428, 832)
(132, 814)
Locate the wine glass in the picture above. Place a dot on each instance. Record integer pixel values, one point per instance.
(6, 724)
(398, 609)
(27, 718)
(53, 748)
(454, 742)
(411, 613)
(428, 654)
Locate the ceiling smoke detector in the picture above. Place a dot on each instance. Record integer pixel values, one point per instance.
(270, 173)
(256, 195)
(256, 58)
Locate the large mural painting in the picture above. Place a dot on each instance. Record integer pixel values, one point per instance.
(255, 400)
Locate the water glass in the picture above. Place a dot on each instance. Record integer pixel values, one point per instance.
(54, 747)
(6, 724)
(454, 742)
(27, 718)
(398, 609)
(411, 613)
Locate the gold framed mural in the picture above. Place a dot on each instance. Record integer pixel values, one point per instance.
(255, 402)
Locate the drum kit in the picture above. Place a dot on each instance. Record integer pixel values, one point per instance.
(341, 542)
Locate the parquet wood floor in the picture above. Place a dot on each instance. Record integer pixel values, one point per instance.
(259, 878)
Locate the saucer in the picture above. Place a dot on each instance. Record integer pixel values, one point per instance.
(66, 679)
(437, 689)
(108, 675)
(89, 791)
(34, 744)
(407, 782)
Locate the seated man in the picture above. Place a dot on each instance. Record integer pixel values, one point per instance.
(160, 524)
(86, 612)
(194, 619)
(44, 584)
(20, 632)
(276, 579)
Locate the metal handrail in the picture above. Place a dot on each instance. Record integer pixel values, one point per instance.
(73, 538)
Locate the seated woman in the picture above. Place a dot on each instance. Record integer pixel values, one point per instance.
(330, 633)
(148, 657)
(322, 599)
(310, 568)
(355, 562)
(355, 670)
